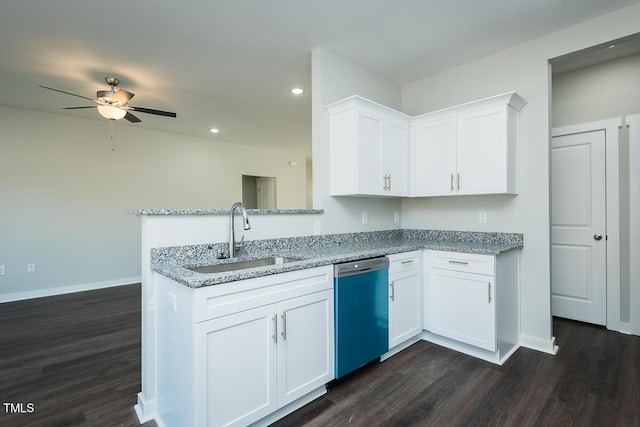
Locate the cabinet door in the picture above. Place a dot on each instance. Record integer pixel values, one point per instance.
(482, 152)
(463, 307)
(236, 366)
(305, 345)
(433, 158)
(405, 320)
(370, 151)
(396, 157)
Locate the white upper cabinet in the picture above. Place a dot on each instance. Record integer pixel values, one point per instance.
(368, 149)
(433, 157)
(468, 149)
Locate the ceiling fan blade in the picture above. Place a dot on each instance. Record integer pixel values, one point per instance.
(78, 108)
(68, 93)
(151, 111)
(122, 96)
(131, 118)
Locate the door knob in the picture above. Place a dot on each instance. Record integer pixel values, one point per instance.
(597, 236)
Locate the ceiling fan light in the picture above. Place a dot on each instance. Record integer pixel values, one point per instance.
(111, 113)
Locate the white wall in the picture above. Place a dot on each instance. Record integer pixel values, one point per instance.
(525, 69)
(65, 185)
(333, 78)
(603, 91)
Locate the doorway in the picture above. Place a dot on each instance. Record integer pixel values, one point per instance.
(578, 227)
(585, 223)
(259, 192)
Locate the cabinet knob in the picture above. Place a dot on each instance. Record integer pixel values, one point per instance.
(597, 236)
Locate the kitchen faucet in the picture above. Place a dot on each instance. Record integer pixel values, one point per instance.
(232, 234)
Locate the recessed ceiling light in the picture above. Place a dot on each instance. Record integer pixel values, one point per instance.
(297, 91)
(214, 130)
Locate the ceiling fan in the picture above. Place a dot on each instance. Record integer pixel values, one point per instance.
(113, 104)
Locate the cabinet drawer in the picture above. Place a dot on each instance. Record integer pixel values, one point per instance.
(404, 261)
(458, 261)
(220, 300)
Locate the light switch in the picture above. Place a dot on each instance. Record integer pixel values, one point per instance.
(365, 217)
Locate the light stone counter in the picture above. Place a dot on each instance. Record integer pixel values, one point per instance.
(316, 251)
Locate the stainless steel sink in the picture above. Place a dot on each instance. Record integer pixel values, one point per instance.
(241, 265)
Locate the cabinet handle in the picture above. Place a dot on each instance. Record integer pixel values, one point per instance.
(489, 291)
(284, 325)
(458, 182)
(387, 182)
(409, 261)
(458, 262)
(275, 328)
(393, 290)
(451, 182)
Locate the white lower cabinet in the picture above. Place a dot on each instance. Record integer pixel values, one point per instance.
(463, 307)
(405, 297)
(236, 353)
(260, 360)
(473, 303)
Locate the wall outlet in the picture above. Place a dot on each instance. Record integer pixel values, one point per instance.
(365, 217)
(1, 270)
(31, 267)
(396, 217)
(171, 301)
(482, 217)
(317, 229)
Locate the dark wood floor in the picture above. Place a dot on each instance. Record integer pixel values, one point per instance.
(76, 358)
(593, 381)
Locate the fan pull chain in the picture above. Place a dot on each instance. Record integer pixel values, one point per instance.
(112, 137)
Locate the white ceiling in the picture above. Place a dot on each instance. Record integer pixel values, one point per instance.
(231, 63)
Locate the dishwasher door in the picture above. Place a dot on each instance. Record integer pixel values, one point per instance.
(361, 313)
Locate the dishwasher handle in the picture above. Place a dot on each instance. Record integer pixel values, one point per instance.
(360, 266)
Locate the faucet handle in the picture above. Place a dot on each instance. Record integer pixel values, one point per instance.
(240, 243)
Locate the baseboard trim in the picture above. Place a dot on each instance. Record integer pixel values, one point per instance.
(21, 296)
(145, 410)
(539, 344)
(622, 327)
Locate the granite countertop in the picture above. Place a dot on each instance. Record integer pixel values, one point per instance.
(167, 212)
(316, 251)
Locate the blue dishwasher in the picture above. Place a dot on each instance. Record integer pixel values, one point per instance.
(361, 312)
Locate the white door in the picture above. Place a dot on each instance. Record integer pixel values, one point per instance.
(305, 345)
(433, 158)
(578, 235)
(405, 320)
(370, 140)
(395, 158)
(266, 193)
(481, 154)
(236, 367)
(463, 307)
